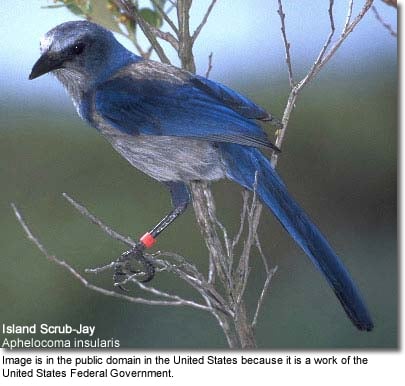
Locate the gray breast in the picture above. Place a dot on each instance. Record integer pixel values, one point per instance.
(168, 158)
(165, 158)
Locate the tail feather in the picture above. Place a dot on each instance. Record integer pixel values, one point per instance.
(242, 163)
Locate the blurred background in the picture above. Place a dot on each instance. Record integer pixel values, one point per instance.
(339, 160)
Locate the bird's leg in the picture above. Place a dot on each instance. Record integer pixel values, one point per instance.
(180, 199)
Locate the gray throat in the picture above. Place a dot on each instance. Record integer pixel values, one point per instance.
(74, 83)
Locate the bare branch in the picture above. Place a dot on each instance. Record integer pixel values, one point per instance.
(28, 232)
(224, 231)
(270, 275)
(322, 58)
(198, 282)
(166, 36)
(209, 296)
(386, 25)
(393, 3)
(192, 276)
(259, 248)
(85, 212)
(165, 16)
(243, 214)
(349, 14)
(317, 64)
(186, 42)
(145, 54)
(204, 21)
(83, 281)
(211, 270)
(286, 44)
(345, 33)
(156, 292)
(243, 270)
(202, 201)
(103, 268)
(129, 10)
(207, 74)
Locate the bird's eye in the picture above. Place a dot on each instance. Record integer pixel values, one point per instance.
(78, 48)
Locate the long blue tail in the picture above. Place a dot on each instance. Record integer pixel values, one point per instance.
(242, 163)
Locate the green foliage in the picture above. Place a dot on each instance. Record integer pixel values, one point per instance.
(113, 15)
(151, 16)
(77, 7)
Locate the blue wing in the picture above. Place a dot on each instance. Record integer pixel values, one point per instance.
(231, 99)
(150, 98)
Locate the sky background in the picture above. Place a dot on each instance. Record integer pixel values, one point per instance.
(234, 34)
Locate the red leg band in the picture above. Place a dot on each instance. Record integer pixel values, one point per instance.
(148, 240)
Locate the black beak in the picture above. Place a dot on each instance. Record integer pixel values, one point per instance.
(45, 64)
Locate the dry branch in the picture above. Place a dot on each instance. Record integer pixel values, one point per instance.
(326, 53)
(386, 25)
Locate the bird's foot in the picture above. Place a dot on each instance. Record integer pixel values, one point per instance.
(124, 266)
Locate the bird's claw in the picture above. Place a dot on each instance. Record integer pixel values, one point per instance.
(123, 266)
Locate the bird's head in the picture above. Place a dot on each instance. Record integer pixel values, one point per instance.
(78, 48)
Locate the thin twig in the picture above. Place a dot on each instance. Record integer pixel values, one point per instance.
(349, 14)
(316, 66)
(156, 292)
(85, 212)
(142, 52)
(222, 258)
(166, 36)
(286, 44)
(322, 58)
(261, 253)
(165, 16)
(207, 73)
(243, 266)
(386, 25)
(204, 21)
(270, 275)
(211, 270)
(201, 202)
(205, 289)
(243, 214)
(345, 33)
(223, 229)
(103, 268)
(129, 10)
(87, 284)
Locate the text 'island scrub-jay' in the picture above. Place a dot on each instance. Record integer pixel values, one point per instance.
(178, 127)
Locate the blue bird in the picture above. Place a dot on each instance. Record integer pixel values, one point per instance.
(178, 127)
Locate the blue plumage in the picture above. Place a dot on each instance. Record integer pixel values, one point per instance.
(242, 164)
(156, 106)
(178, 127)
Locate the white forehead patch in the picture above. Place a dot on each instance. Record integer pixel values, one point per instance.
(45, 42)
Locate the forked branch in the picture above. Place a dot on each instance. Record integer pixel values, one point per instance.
(327, 51)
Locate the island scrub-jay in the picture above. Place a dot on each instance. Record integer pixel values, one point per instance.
(178, 127)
